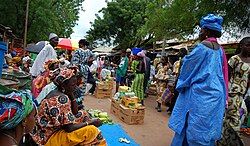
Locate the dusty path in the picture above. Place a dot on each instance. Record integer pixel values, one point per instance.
(154, 131)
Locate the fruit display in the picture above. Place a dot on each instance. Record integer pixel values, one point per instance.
(103, 116)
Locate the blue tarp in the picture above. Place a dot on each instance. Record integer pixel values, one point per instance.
(112, 133)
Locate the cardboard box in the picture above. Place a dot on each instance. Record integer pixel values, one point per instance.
(132, 112)
(115, 107)
(131, 116)
(129, 101)
(131, 120)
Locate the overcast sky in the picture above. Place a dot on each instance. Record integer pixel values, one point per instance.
(91, 8)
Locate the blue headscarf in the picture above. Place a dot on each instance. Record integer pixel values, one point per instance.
(211, 21)
(136, 50)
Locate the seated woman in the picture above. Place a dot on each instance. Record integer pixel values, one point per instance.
(42, 80)
(17, 112)
(59, 122)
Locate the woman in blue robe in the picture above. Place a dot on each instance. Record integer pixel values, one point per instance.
(198, 114)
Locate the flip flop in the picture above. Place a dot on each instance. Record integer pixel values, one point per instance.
(124, 140)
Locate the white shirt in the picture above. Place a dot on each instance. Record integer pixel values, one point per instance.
(46, 54)
(93, 66)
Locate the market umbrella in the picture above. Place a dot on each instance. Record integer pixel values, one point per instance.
(36, 48)
(68, 44)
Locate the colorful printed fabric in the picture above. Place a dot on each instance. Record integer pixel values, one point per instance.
(85, 136)
(14, 107)
(137, 85)
(39, 82)
(80, 59)
(53, 114)
(43, 79)
(134, 65)
(237, 89)
(165, 97)
(46, 90)
(238, 81)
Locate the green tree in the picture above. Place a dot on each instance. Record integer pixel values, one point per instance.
(45, 16)
(178, 18)
(120, 23)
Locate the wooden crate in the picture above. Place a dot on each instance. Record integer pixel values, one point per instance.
(106, 90)
(103, 94)
(105, 85)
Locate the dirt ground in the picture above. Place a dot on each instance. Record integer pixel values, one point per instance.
(154, 131)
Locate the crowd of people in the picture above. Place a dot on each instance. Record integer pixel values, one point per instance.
(203, 91)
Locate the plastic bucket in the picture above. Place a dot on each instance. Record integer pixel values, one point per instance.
(3, 49)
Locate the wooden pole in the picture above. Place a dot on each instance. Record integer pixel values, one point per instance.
(26, 24)
(163, 52)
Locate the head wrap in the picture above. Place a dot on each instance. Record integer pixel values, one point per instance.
(211, 21)
(64, 74)
(128, 50)
(141, 54)
(50, 62)
(16, 59)
(15, 107)
(52, 35)
(136, 50)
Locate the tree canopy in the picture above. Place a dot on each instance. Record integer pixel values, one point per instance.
(128, 23)
(45, 16)
(120, 23)
(178, 18)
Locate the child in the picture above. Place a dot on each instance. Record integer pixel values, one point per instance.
(165, 95)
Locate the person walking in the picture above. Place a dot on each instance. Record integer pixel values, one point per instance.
(198, 113)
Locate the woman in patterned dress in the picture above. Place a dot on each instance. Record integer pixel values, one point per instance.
(59, 122)
(239, 68)
(81, 58)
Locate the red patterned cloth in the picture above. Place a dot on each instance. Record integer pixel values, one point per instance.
(54, 113)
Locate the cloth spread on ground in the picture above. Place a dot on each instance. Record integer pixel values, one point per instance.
(112, 133)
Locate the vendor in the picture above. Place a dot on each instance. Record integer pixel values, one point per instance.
(64, 124)
(47, 53)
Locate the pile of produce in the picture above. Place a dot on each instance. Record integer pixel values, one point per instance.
(127, 98)
(103, 116)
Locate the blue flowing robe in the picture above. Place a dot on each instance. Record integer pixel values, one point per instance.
(202, 96)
